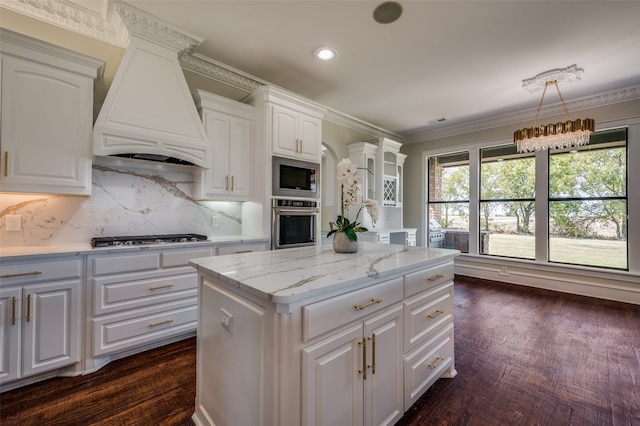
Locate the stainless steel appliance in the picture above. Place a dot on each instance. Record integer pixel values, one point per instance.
(295, 224)
(295, 178)
(136, 240)
(436, 235)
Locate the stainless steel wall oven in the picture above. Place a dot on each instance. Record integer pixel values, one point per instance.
(295, 224)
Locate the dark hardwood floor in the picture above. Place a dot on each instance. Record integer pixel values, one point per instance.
(524, 357)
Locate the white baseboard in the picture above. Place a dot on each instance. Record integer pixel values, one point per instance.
(611, 285)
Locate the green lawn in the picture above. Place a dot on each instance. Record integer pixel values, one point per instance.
(605, 253)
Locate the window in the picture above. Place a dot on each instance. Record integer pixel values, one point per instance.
(579, 196)
(448, 201)
(588, 202)
(507, 202)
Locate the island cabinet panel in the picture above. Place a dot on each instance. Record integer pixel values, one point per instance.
(355, 375)
(320, 343)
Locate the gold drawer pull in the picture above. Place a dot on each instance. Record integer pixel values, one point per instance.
(244, 251)
(22, 274)
(373, 353)
(233, 183)
(435, 314)
(155, 324)
(435, 277)
(14, 301)
(366, 305)
(437, 361)
(158, 287)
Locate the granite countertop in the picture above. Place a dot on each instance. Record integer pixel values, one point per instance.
(85, 248)
(289, 275)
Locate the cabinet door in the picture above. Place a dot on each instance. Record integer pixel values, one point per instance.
(241, 134)
(46, 129)
(309, 134)
(217, 128)
(332, 372)
(384, 383)
(10, 320)
(50, 322)
(285, 133)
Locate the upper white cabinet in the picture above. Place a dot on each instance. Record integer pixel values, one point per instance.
(47, 117)
(292, 125)
(229, 128)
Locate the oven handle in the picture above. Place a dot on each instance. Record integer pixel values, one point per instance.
(296, 211)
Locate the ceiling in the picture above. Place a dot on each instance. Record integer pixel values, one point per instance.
(461, 61)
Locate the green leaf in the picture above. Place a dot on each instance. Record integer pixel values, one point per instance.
(351, 234)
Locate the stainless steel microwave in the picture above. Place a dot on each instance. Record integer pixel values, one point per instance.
(295, 178)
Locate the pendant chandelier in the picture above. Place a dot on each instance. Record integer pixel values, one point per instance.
(556, 135)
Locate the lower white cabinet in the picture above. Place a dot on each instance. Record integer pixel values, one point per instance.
(40, 317)
(138, 299)
(354, 377)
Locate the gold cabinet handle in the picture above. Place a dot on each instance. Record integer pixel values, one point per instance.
(158, 287)
(244, 251)
(155, 324)
(366, 305)
(436, 362)
(21, 274)
(14, 302)
(226, 183)
(233, 183)
(363, 370)
(28, 307)
(435, 314)
(435, 277)
(373, 353)
(6, 163)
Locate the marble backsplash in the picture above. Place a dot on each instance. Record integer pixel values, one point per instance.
(124, 201)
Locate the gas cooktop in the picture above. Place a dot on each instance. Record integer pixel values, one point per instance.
(136, 240)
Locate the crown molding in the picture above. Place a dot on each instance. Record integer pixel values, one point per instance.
(108, 28)
(122, 19)
(600, 100)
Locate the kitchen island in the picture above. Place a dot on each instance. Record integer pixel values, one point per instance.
(308, 336)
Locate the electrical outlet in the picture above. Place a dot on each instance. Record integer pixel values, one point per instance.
(215, 221)
(13, 222)
(504, 271)
(226, 320)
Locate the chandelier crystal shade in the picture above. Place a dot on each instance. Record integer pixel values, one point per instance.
(555, 135)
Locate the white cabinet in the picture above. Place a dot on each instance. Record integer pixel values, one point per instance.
(229, 128)
(139, 299)
(47, 119)
(296, 135)
(355, 376)
(291, 126)
(243, 247)
(40, 322)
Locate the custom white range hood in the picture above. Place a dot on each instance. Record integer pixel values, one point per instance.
(149, 110)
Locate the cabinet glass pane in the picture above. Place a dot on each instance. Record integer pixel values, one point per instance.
(389, 163)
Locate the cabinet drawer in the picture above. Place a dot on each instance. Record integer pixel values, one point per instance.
(118, 332)
(419, 281)
(426, 364)
(320, 317)
(171, 259)
(131, 262)
(32, 272)
(426, 313)
(110, 296)
(240, 248)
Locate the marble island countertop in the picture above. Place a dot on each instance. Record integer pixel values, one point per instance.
(289, 275)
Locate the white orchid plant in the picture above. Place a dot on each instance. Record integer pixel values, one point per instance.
(351, 196)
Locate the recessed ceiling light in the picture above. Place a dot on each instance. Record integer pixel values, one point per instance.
(387, 12)
(325, 53)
